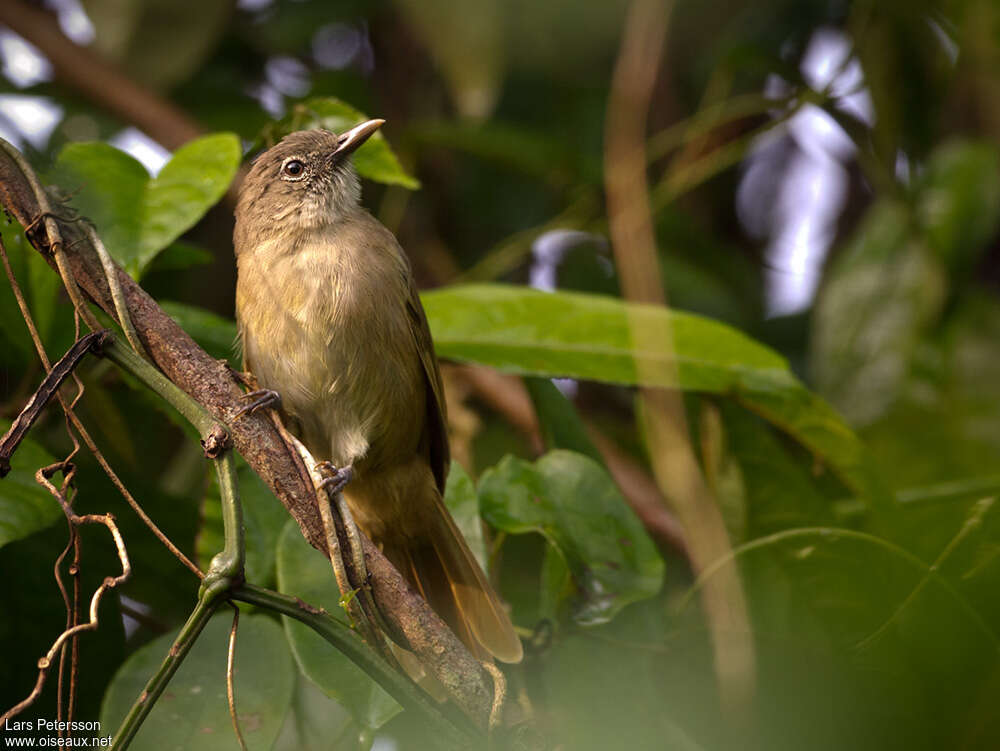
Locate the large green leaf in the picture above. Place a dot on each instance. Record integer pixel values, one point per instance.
(572, 501)
(305, 573)
(521, 330)
(138, 216)
(25, 506)
(193, 712)
(374, 160)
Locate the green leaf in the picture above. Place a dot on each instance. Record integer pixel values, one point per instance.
(566, 334)
(561, 426)
(959, 200)
(25, 506)
(15, 342)
(374, 160)
(460, 498)
(138, 216)
(263, 519)
(213, 333)
(193, 713)
(178, 256)
(315, 722)
(880, 295)
(903, 652)
(305, 573)
(561, 334)
(573, 503)
(781, 492)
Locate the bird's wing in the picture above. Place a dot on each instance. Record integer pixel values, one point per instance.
(437, 422)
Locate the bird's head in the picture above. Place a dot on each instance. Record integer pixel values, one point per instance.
(305, 180)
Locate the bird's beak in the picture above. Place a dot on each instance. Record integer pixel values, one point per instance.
(356, 136)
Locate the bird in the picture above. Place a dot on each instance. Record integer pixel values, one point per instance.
(329, 318)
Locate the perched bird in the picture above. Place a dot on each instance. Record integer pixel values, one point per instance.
(330, 319)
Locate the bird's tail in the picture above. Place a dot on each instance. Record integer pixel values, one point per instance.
(440, 566)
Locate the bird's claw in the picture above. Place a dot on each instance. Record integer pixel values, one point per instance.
(338, 477)
(262, 398)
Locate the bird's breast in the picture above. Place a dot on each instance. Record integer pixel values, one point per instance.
(326, 326)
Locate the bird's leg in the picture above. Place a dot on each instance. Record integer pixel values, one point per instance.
(333, 483)
(339, 525)
(261, 399)
(335, 478)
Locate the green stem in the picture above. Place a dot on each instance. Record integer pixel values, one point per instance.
(208, 601)
(229, 563)
(193, 412)
(226, 567)
(451, 731)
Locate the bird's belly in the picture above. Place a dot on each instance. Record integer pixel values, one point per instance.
(347, 371)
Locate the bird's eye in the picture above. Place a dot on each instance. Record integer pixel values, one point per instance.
(293, 168)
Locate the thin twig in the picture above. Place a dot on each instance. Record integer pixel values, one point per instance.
(45, 662)
(78, 425)
(111, 274)
(230, 687)
(44, 393)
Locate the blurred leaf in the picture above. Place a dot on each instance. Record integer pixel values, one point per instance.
(460, 498)
(158, 42)
(621, 685)
(556, 585)
(560, 334)
(374, 160)
(180, 255)
(263, 519)
(468, 48)
(561, 426)
(303, 572)
(959, 200)
(138, 216)
(908, 652)
(880, 295)
(538, 154)
(952, 386)
(314, 721)
(25, 506)
(193, 712)
(781, 493)
(573, 503)
(213, 333)
(14, 338)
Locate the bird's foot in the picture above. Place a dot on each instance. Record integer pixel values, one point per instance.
(261, 399)
(335, 478)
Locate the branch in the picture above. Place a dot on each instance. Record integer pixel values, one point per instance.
(674, 463)
(97, 79)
